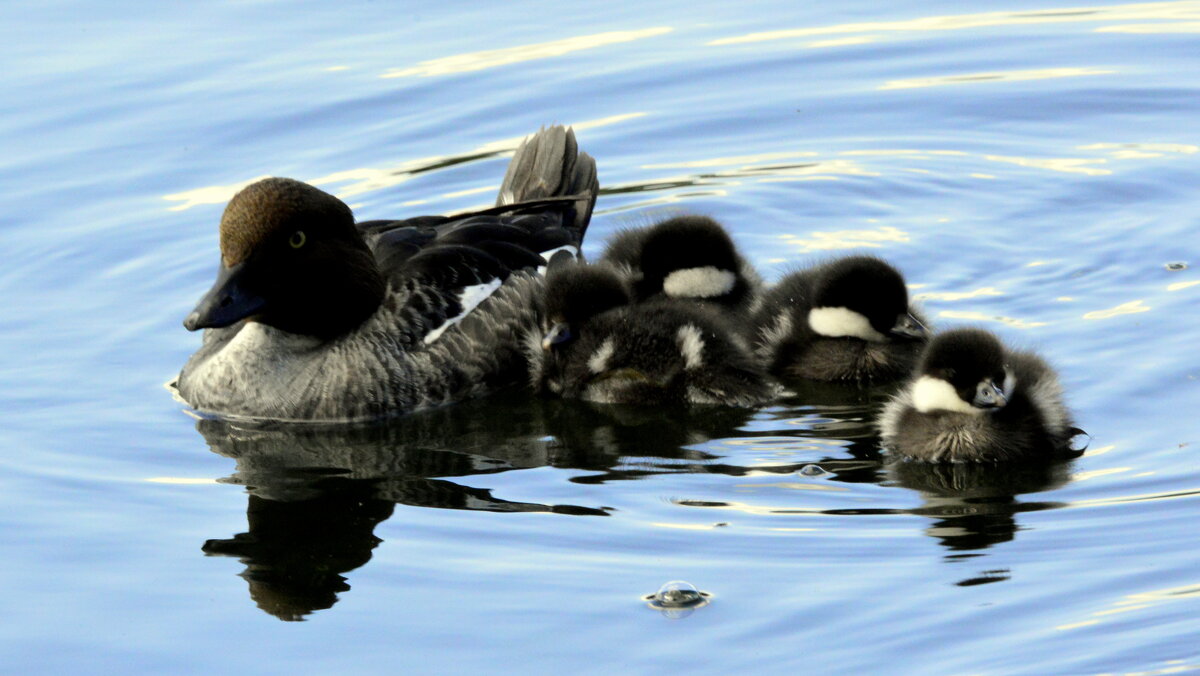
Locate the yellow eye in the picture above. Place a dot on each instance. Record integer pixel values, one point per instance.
(297, 239)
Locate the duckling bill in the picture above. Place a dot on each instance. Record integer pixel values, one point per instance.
(971, 399)
(316, 317)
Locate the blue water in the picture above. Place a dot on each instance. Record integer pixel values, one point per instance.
(1033, 168)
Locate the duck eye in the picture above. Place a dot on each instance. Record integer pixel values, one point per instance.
(297, 239)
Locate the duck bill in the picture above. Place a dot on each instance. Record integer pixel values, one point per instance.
(226, 302)
(909, 327)
(989, 396)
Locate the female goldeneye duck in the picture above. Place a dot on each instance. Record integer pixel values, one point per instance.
(971, 399)
(600, 346)
(845, 320)
(314, 317)
(685, 257)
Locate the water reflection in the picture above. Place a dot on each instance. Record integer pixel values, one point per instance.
(973, 505)
(316, 492)
(295, 552)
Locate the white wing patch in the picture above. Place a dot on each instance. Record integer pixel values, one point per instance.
(598, 362)
(469, 298)
(840, 322)
(691, 344)
(935, 394)
(705, 282)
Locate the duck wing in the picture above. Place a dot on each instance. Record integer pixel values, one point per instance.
(450, 264)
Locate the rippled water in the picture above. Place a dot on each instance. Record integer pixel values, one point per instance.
(1032, 170)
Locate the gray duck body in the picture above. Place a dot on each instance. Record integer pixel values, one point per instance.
(450, 302)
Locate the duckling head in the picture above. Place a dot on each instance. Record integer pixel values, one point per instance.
(574, 294)
(963, 370)
(863, 297)
(291, 258)
(689, 257)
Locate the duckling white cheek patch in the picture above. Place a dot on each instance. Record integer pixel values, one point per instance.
(840, 322)
(935, 394)
(469, 299)
(705, 282)
(691, 345)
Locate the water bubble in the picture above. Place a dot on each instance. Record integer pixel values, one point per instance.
(814, 471)
(1175, 266)
(678, 594)
(677, 599)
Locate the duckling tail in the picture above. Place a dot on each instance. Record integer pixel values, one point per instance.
(547, 165)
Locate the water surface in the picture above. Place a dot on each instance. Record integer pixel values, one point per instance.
(1032, 168)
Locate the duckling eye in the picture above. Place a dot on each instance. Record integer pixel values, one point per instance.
(297, 239)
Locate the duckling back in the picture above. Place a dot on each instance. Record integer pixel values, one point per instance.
(603, 346)
(848, 319)
(686, 258)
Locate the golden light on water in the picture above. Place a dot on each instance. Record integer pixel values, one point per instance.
(1132, 307)
(494, 58)
(846, 239)
(959, 295)
(1139, 601)
(368, 179)
(1165, 11)
(998, 76)
(981, 317)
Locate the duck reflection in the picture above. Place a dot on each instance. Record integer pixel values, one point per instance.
(296, 551)
(316, 493)
(974, 505)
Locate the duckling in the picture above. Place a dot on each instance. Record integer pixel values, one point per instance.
(846, 320)
(973, 400)
(685, 257)
(315, 317)
(603, 347)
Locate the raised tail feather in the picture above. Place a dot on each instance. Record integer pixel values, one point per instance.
(549, 164)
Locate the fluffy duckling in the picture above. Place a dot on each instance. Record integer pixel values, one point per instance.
(600, 346)
(315, 317)
(845, 320)
(685, 257)
(973, 400)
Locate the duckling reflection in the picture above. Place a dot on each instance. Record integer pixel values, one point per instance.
(973, 506)
(843, 411)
